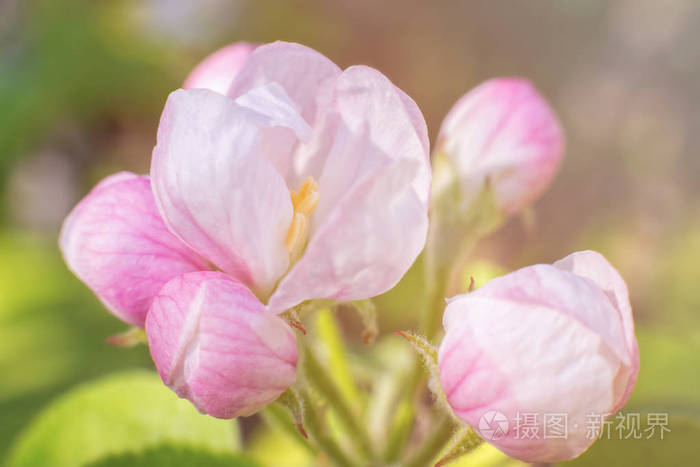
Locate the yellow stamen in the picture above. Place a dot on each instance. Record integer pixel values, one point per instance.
(304, 202)
(296, 232)
(307, 204)
(307, 197)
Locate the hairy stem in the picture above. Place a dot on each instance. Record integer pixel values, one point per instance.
(433, 444)
(325, 443)
(319, 378)
(276, 415)
(441, 281)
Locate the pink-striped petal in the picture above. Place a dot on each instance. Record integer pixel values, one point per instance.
(214, 344)
(115, 241)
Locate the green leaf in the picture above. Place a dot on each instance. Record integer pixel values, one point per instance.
(167, 455)
(127, 412)
(52, 332)
(678, 447)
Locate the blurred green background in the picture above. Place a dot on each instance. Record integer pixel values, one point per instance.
(83, 82)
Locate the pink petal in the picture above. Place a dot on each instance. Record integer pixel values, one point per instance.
(592, 265)
(504, 131)
(213, 343)
(517, 359)
(374, 125)
(215, 188)
(307, 77)
(539, 340)
(277, 143)
(217, 71)
(115, 241)
(416, 118)
(298, 69)
(371, 221)
(547, 286)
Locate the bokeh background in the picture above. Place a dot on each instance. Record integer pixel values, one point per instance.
(82, 85)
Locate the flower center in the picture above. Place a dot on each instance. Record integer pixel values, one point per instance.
(304, 201)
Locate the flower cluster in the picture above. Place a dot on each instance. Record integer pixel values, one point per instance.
(279, 179)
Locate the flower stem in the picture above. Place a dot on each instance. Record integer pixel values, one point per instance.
(462, 443)
(400, 432)
(433, 444)
(318, 377)
(325, 443)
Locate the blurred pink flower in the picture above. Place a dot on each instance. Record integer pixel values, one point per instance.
(217, 71)
(545, 340)
(502, 131)
(214, 344)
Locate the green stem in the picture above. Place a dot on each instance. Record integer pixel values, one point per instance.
(433, 444)
(464, 442)
(400, 431)
(444, 282)
(401, 434)
(276, 415)
(319, 378)
(325, 443)
(439, 282)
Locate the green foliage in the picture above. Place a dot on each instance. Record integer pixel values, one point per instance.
(52, 332)
(668, 376)
(126, 412)
(167, 455)
(675, 299)
(78, 61)
(276, 446)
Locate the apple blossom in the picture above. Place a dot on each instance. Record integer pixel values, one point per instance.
(305, 182)
(502, 134)
(217, 71)
(214, 343)
(543, 340)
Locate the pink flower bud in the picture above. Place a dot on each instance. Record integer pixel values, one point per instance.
(115, 241)
(214, 344)
(532, 359)
(217, 71)
(502, 131)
